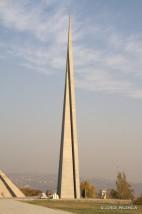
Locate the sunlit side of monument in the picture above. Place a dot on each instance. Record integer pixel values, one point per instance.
(8, 189)
(68, 175)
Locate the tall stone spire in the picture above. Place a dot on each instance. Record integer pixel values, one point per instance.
(68, 177)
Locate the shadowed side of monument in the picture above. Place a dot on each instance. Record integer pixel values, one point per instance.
(68, 176)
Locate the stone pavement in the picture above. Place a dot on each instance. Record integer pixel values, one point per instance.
(9, 206)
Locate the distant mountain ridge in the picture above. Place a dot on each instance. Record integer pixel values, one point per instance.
(37, 181)
(49, 182)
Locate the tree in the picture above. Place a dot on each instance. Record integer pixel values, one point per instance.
(30, 192)
(87, 190)
(124, 189)
(48, 193)
(113, 194)
(138, 200)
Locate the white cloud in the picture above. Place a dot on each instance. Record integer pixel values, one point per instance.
(106, 61)
(115, 68)
(35, 18)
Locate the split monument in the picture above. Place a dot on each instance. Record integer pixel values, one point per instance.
(68, 175)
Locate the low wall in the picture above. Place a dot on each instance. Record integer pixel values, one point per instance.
(101, 201)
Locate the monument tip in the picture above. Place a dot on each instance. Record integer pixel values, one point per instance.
(69, 22)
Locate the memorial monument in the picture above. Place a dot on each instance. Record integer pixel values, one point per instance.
(8, 189)
(68, 175)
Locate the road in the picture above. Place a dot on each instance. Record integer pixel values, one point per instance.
(9, 206)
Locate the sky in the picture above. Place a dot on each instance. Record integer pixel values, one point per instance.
(107, 49)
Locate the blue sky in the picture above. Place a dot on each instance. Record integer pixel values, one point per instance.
(107, 36)
(107, 42)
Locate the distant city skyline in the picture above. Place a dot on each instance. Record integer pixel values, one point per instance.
(107, 44)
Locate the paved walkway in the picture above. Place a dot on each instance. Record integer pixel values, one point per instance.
(16, 207)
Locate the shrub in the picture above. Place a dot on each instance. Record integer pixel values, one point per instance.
(30, 192)
(138, 201)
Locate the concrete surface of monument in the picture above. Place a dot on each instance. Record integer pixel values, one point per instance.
(68, 175)
(8, 189)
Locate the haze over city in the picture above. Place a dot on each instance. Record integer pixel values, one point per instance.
(107, 43)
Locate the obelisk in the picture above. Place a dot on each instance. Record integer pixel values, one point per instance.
(68, 175)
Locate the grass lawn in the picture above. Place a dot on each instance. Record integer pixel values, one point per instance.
(88, 207)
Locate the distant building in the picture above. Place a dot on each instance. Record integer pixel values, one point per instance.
(43, 196)
(104, 194)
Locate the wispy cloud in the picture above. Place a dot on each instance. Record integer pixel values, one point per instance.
(48, 32)
(114, 68)
(34, 18)
(106, 60)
